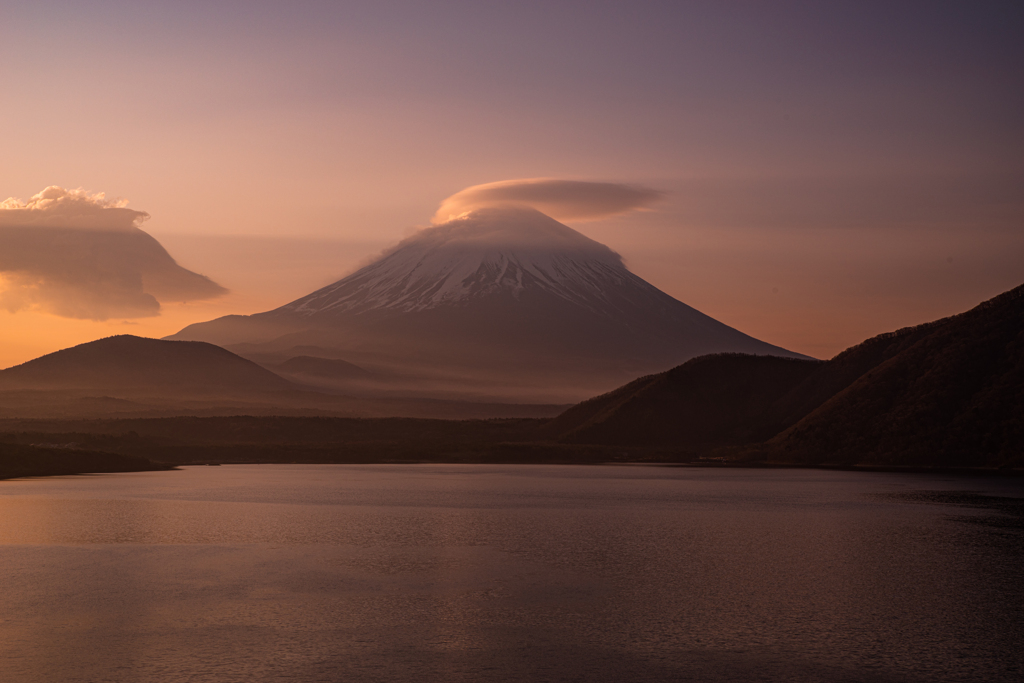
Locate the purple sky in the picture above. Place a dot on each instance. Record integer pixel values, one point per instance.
(832, 170)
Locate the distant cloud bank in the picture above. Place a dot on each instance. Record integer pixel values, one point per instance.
(560, 199)
(80, 255)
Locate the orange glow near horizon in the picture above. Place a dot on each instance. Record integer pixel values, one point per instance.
(30, 334)
(808, 191)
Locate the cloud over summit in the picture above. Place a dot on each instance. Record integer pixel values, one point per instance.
(80, 255)
(560, 199)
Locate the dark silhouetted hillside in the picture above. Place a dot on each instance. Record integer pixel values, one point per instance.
(722, 399)
(126, 365)
(952, 395)
(947, 393)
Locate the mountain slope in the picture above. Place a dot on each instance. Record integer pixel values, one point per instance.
(950, 392)
(127, 365)
(502, 302)
(954, 395)
(710, 401)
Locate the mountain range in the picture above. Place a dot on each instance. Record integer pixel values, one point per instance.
(945, 394)
(494, 313)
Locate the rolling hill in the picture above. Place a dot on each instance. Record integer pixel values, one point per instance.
(126, 365)
(947, 393)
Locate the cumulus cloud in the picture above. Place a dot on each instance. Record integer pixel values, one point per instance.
(80, 255)
(560, 199)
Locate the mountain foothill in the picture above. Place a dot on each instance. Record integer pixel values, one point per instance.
(481, 339)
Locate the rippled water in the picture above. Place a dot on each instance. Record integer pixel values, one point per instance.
(466, 573)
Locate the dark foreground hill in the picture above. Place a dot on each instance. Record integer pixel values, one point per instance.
(947, 393)
(722, 399)
(126, 365)
(953, 395)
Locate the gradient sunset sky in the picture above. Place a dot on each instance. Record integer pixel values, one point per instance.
(830, 170)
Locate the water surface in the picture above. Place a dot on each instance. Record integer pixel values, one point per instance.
(465, 573)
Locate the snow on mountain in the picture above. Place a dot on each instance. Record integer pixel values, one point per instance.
(488, 251)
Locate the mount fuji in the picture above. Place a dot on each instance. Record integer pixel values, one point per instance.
(501, 303)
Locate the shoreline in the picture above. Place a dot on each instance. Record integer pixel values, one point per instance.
(18, 461)
(111, 463)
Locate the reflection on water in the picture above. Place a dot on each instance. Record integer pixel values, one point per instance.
(466, 573)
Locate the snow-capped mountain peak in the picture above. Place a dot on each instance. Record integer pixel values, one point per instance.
(488, 251)
(502, 302)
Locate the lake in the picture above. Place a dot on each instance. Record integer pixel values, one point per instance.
(469, 573)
